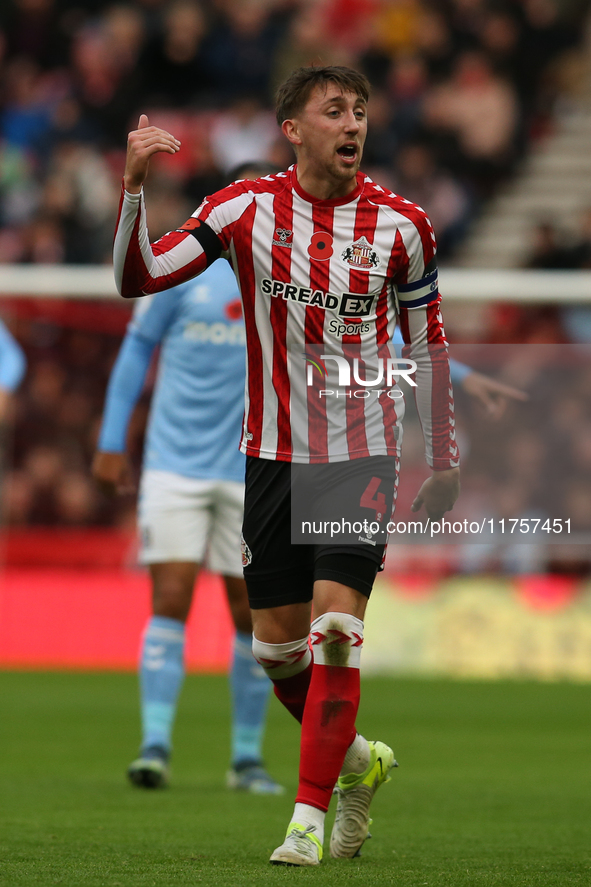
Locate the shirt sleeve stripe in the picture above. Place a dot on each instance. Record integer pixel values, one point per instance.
(427, 299)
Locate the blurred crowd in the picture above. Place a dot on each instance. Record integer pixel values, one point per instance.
(460, 88)
(55, 423)
(534, 463)
(526, 474)
(552, 249)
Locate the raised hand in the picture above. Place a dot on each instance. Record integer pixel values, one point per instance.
(142, 143)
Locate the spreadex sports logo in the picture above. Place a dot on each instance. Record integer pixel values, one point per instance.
(348, 327)
(346, 305)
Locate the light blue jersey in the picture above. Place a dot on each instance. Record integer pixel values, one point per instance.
(12, 361)
(197, 409)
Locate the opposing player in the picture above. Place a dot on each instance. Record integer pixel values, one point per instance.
(13, 366)
(311, 248)
(12, 369)
(191, 501)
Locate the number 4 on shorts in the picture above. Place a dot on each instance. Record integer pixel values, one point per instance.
(377, 504)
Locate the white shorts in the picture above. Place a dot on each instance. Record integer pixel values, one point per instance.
(188, 519)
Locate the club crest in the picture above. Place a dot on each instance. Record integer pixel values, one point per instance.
(361, 255)
(246, 552)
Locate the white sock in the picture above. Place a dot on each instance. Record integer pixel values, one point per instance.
(357, 757)
(305, 815)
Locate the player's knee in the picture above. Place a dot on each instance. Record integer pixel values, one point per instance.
(172, 599)
(282, 660)
(337, 639)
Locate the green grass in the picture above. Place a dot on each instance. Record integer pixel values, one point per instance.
(493, 789)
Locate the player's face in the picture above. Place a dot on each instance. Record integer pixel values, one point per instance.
(329, 135)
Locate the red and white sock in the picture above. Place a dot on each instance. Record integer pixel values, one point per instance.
(290, 668)
(328, 725)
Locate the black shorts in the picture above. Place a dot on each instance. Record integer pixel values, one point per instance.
(278, 568)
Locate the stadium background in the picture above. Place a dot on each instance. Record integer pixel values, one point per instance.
(473, 104)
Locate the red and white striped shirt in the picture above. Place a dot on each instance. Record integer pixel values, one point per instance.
(323, 283)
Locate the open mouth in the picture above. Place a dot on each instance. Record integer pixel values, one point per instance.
(347, 152)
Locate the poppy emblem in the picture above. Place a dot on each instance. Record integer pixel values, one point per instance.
(233, 309)
(190, 225)
(320, 247)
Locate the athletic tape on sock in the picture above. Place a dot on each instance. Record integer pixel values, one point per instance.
(282, 660)
(337, 639)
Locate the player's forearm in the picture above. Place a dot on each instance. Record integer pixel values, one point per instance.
(142, 268)
(435, 406)
(426, 345)
(123, 392)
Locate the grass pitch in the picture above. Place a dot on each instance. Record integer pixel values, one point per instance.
(493, 789)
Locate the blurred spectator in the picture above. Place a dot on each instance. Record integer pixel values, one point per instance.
(80, 198)
(382, 140)
(243, 132)
(549, 249)
(17, 498)
(435, 43)
(304, 42)
(26, 117)
(397, 27)
(33, 31)
(240, 48)
(19, 189)
(75, 500)
(173, 68)
(553, 250)
(581, 250)
(442, 197)
(351, 24)
(408, 85)
(57, 413)
(480, 110)
(105, 74)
